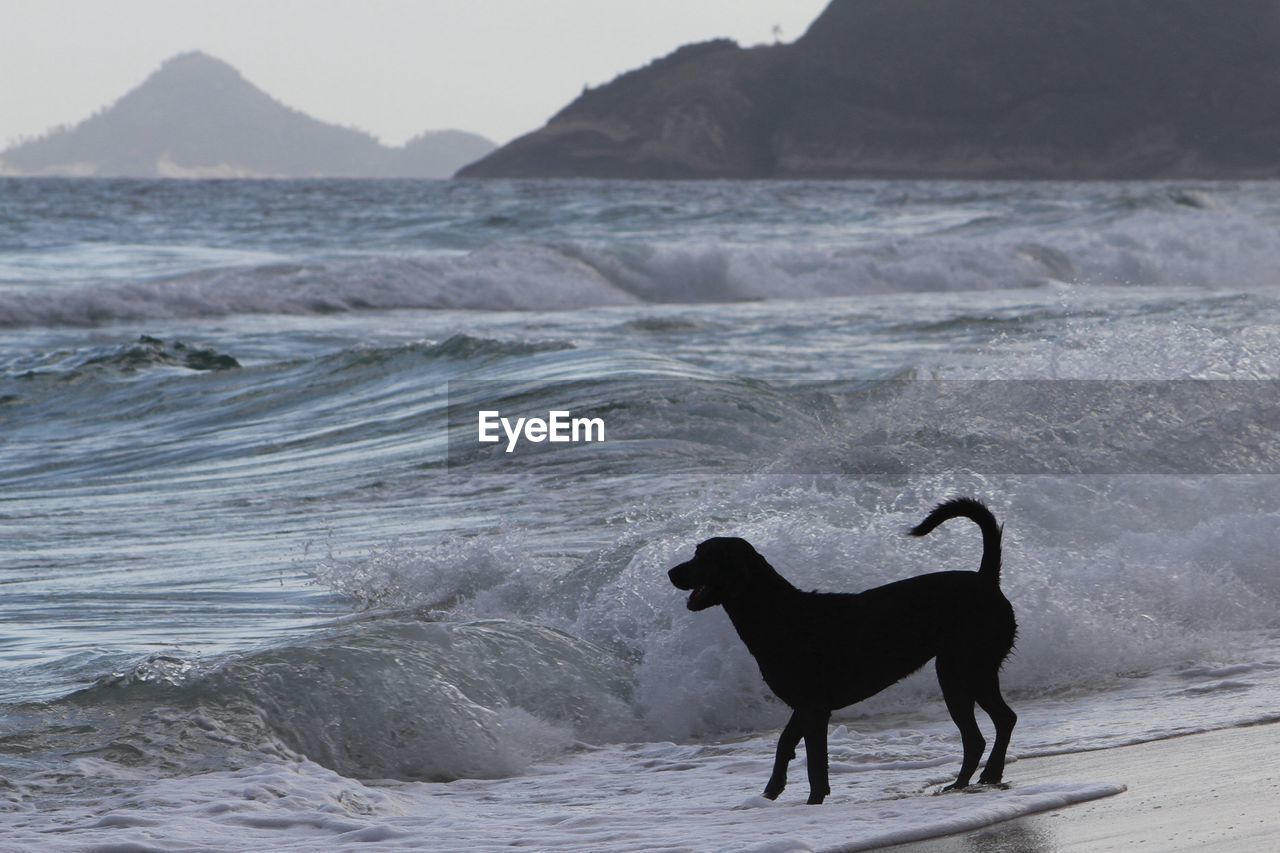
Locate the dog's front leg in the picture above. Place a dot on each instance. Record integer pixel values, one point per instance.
(787, 741)
(815, 748)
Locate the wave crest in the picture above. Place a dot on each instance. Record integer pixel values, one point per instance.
(1196, 246)
(383, 697)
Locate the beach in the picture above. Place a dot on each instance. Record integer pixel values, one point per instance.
(1216, 791)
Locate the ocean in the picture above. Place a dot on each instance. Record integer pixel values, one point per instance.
(262, 590)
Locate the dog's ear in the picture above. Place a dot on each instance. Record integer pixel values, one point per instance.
(746, 555)
(741, 565)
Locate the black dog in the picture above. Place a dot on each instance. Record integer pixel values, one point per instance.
(823, 651)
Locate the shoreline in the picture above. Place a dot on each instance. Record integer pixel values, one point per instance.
(1211, 791)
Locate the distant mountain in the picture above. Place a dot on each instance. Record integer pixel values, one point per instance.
(942, 88)
(197, 117)
(439, 153)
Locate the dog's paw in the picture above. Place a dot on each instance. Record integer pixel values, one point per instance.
(816, 799)
(973, 788)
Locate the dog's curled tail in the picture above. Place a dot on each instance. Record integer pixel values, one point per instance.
(976, 512)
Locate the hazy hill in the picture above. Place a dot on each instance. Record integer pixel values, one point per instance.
(439, 153)
(196, 116)
(943, 88)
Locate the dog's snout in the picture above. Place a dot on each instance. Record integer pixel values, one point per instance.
(679, 576)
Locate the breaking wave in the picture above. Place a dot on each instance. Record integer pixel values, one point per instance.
(1192, 247)
(380, 698)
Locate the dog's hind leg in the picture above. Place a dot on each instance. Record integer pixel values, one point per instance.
(815, 750)
(957, 691)
(791, 734)
(988, 696)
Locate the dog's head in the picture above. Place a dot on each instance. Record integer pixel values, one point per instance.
(722, 570)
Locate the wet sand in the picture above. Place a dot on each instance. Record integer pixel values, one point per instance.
(1218, 791)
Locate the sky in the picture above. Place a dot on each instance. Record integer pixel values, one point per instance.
(392, 67)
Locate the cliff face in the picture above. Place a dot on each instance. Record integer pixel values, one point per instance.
(197, 117)
(691, 114)
(943, 88)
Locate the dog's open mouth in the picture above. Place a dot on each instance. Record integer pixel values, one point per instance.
(701, 598)
(685, 577)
